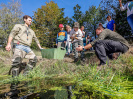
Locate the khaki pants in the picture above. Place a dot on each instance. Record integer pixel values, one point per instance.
(17, 61)
(61, 44)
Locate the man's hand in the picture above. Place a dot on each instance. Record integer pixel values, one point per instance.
(71, 37)
(8, 47)
(79, 48)
(41, 48)
(76, 37)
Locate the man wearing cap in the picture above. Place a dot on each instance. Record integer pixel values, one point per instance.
(61, 37)
(76, 36)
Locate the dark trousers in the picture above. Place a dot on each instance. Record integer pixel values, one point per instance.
(104, 48)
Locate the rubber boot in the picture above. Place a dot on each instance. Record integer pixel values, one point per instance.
(15, 72)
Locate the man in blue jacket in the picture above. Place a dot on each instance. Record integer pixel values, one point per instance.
(61, 37)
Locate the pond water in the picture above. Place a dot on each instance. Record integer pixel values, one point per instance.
(37, 89)
(15, 93)
(52, 88)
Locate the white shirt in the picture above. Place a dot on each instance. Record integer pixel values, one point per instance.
(83, 33)
(68, 37)
(129, 7)
(79, 35)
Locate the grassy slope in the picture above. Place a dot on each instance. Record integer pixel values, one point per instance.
(114, 80)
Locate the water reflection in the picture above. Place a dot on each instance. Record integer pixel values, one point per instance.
(64, 93)
(25, 91)
(12, 94)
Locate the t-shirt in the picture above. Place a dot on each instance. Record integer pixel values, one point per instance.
(84, 38)
(110, 25)
(68, 37)
(78, 33)
(83, 33)
(129, 7)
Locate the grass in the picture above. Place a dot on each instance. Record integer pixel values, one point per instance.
(113, 81)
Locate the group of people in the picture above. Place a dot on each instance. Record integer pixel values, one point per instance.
(72, 37)
(107, 42)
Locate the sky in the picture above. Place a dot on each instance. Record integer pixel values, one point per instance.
(30, 6)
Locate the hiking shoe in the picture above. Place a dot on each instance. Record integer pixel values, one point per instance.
(62, 48)
(15, 72)
(68, 54)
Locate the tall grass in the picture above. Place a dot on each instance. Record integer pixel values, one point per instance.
(113, 81)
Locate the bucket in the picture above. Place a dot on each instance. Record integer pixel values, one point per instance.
(53, 53)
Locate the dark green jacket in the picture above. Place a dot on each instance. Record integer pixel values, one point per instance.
(107, 34)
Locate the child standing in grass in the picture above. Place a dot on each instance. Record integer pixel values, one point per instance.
(61, 37)
(84, 36)
(68, 43)
(76, 36)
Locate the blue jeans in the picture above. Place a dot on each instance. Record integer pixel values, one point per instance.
(24, 48)
(130, 21)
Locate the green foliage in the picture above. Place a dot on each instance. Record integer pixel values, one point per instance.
(93, 17)
(46, 21)
(10, 15)
(78, 15)
(112, 8)
(109, 82)
(123, 27)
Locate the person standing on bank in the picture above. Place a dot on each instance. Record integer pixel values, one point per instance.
(76, 36)
(129, 7)
(68, 43)
(84, 36)
(61, 37)
(82, 30)
(22, 36)
(111, 24)
(108, 42)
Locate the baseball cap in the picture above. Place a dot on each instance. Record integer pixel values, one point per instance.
(61, 25)
(76, 24)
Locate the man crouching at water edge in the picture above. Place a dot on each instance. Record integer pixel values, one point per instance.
(107, 43)
(22, 35)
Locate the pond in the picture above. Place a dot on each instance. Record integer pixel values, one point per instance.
(58, 88)
(37, 89)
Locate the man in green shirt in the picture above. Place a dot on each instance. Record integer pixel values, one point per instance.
(22, 36)
(108, 42)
